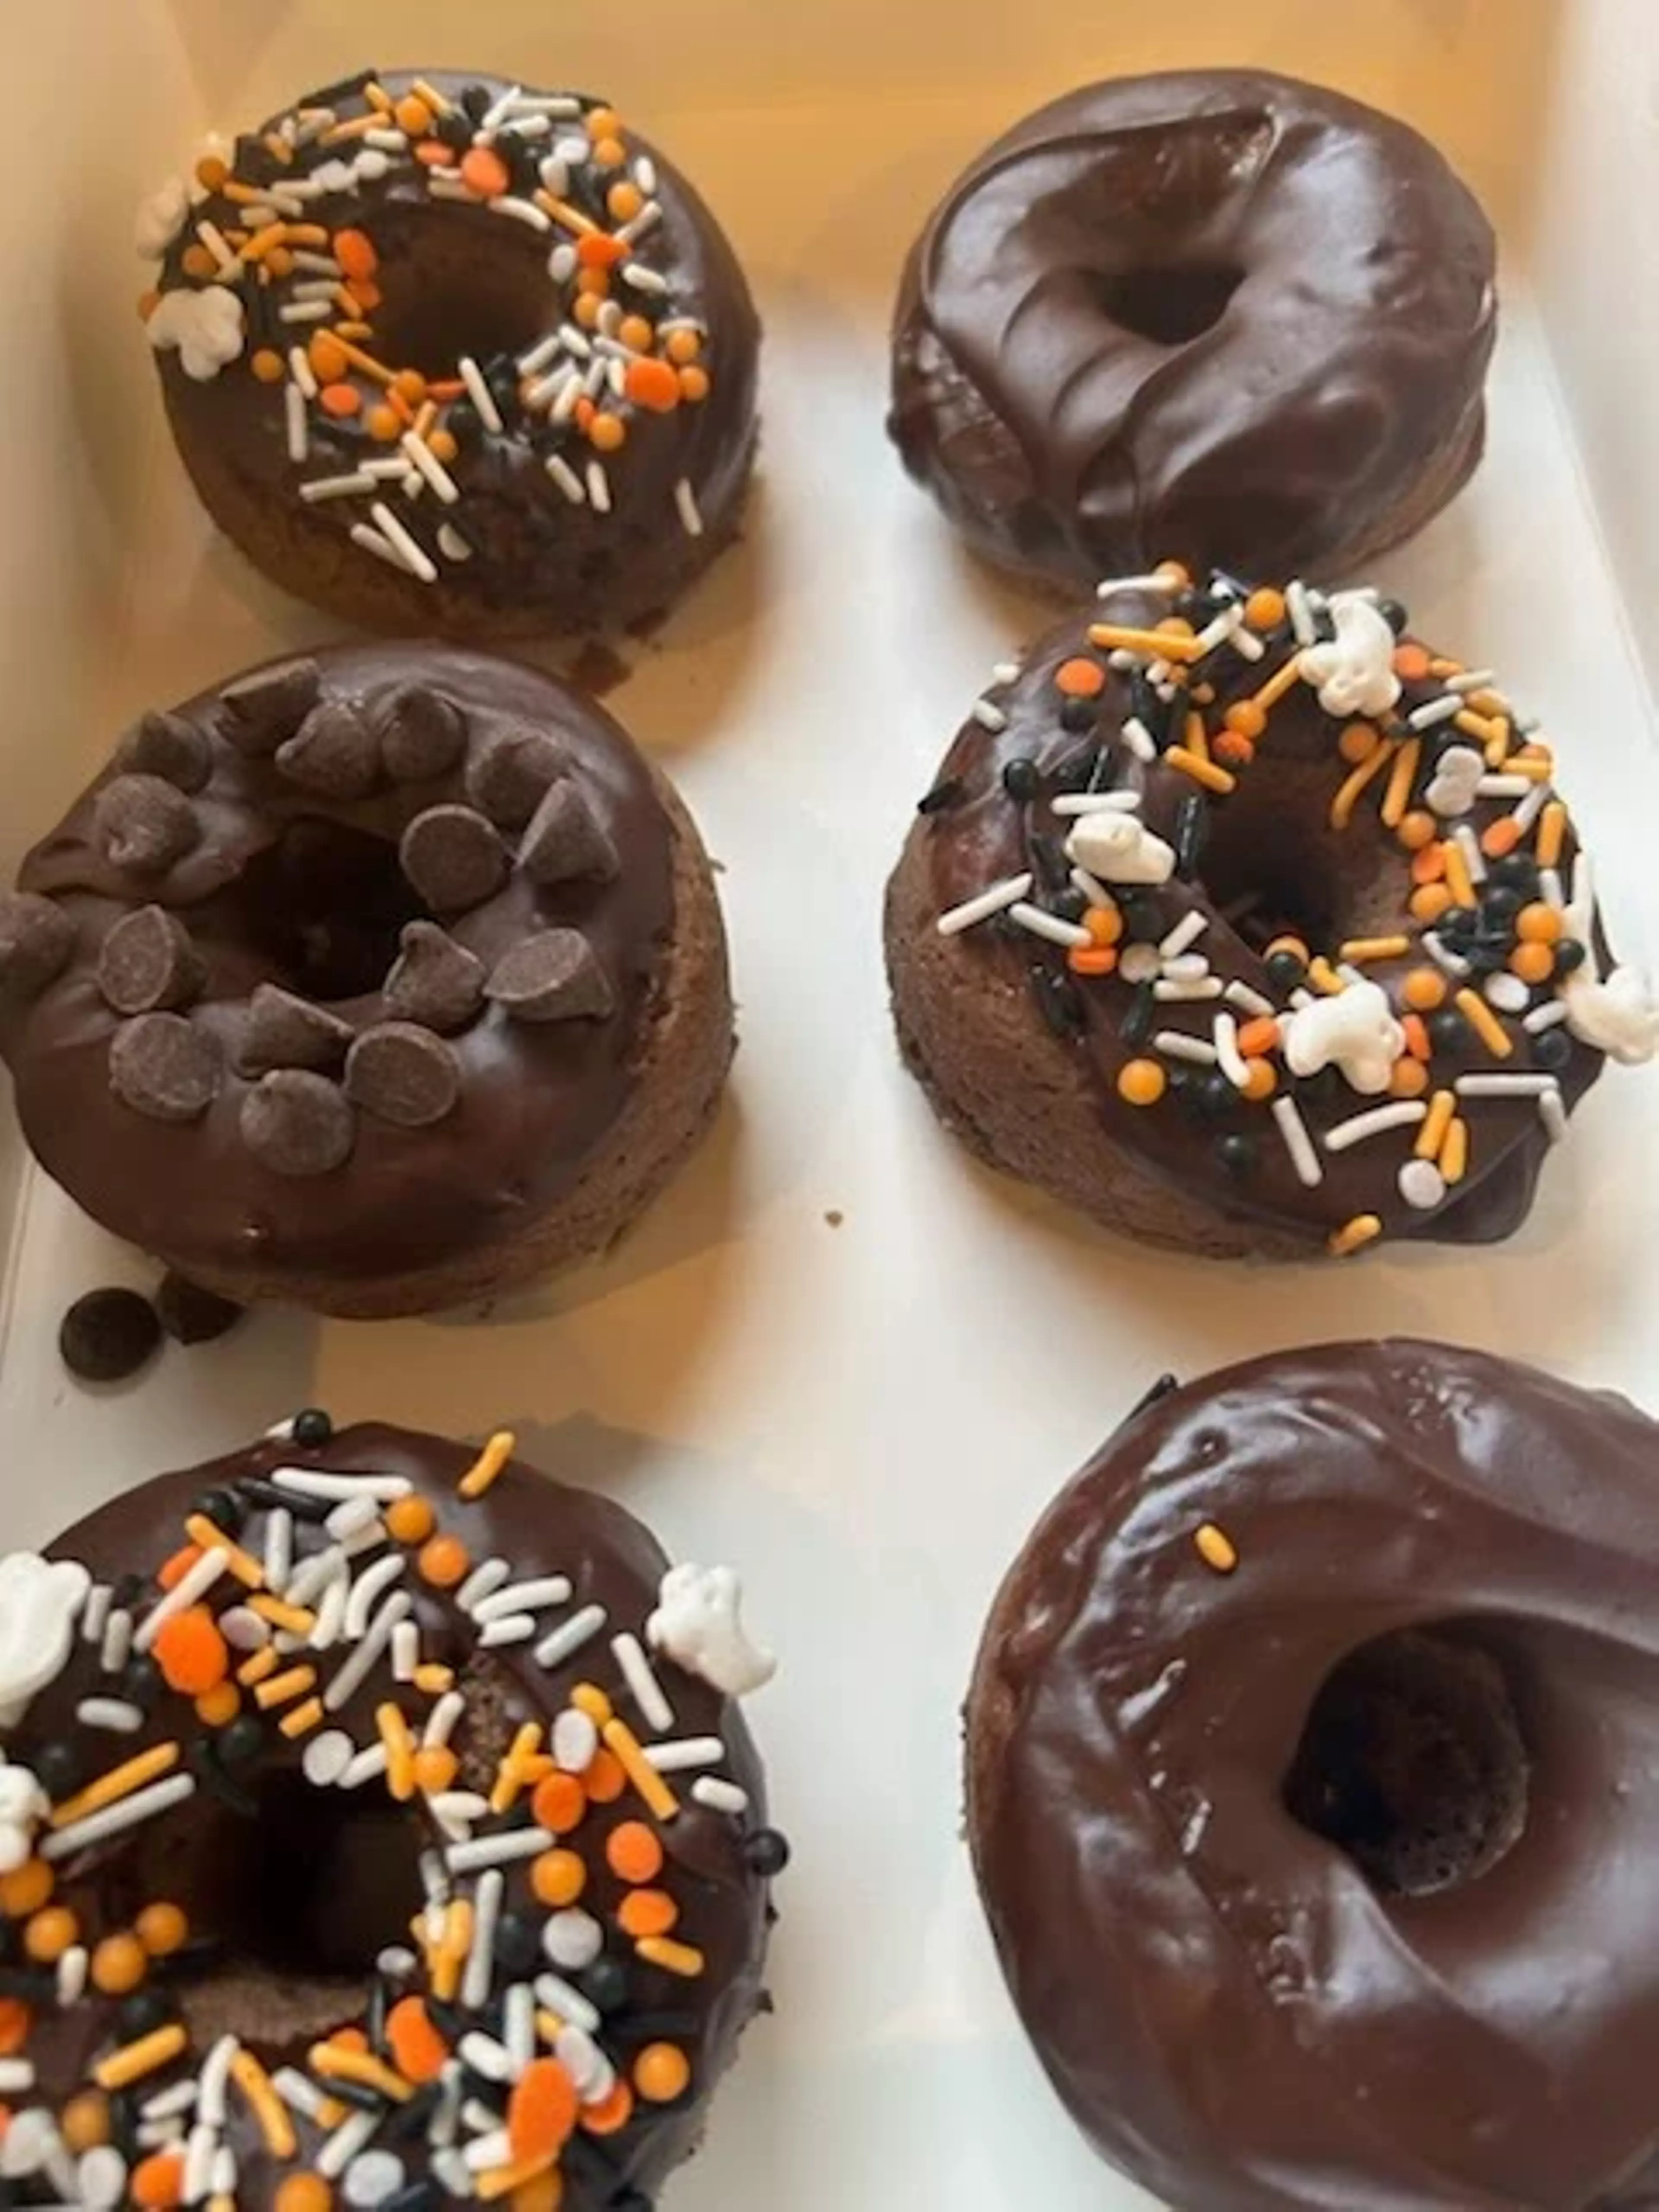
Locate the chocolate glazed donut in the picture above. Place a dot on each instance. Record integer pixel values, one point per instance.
(1313, 1779)
(1216, 314)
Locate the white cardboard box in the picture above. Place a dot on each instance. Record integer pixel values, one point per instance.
(867, 1416)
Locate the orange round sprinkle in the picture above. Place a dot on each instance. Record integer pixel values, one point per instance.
(602, 122)
(84, 2121)
(624, 201)
(637, 334)
(483, 171)
(1091, 959)
(542, 2109)
(1080, 678)
(192, 1655)
(584, 412)
(340, 399)
(410, 386)
(543, 2192)
(1417, 1037)
(661, 2072)
(693, 384)
(558, 1879)
(26, 1888)
(118, 1965)
(1423, 989)
(443, 445)
(302, 2193)
(1429, 903)
(1538, 924)
(1410, 662)
(280, 262)
(198, 262)
(418, 2051)
(1265, 610)
(1408, 1078)
(597, 249)
(1357, 743)
(1263, 1081)
(1417, 830)
(158, 2183)
(610, 154)
(328, 358)
(683, 345)
(1257, 1036)
(1104, 924)
(608, 432)
(14, 2021)
(654, 384)
(268, 366)
(610, 2114)
(162, 1930)
(1233, 748)
(633, 1852)
(217, 1707)
(174, 1570)
(443, 1562)
(410, 1520)
(354, 252)
(605, 1779)
(560, 1802)
(585, 308)
(435, 153)
(386, 425)
(1141, 1082)
(1429, 865)
(436, 1768)
(1500, 838)
(594, 283)
(647, 1912)
(213, 173)
(51, 1932)
(414, 116)
(1533, 963)
(1246, 718)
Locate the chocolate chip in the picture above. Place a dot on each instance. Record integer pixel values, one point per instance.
(284, 1030)
(143, 823)
(452, 858)
(148, 962)
(162, 1066)
(550, 978)
(433, 980)
(191, 1315)
(334, 752)
(168, 746)
(263, 709)
(297, 1123)
(312, 1426)
(108, 1334)
(765, 1852)
(401, 1073)
(507, 777)
(566, 839)
(421, 732)
(36, 939)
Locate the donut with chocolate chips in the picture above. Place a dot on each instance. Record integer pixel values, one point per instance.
(447, 354)
(1244, 922)
(1311, 1789)
(379, 1824)
(1216, 312)
(414, 986)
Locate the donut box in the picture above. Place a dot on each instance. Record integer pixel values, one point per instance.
(838, 1350)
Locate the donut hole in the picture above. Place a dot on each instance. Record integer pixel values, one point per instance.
(1170, 305)
(1412, 1763)
(1274, 866)
(454, 293)
(325, 905)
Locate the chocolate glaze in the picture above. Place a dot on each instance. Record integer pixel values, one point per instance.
(541, 1527)
(1230, 2011)
(1333, 404)
(535, 1098)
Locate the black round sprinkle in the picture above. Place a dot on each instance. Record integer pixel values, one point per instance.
(242, 1741)
(1285, 972)
(1569, 955)
(605, 1984)
(312, 1426)
(1394, 615)
(765, 1852)
(1236, 1154)
(1517, 871)
(1552, 1049)
(1457, 926)
(59, 1768)
(143, 2013)
(191, 1315)
(1217, 1094)
(476, 102)
(140, 1682)
(108, 1335)
(1486, 959)
(1501, 904)
(1020, 780)
(1078, 717)
(518, 1946)
(223, 1507)
(1448, 1031)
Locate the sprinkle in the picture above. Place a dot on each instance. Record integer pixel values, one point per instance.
(118, 1783)
(1186, 932)
(1174, 1044)
(1551, 835)
(565, 479)
(1207, 772)
(1454, 1153)
(1404, 1113)
(983, 906)
(680, 1958)
(1186, 990)
(1157, 644)
(337, 2063)
(1231, 1062)
(356, 1669)
(1069, 803)
(719, 1796)
(1504, 1086)
(482, 1475)
(598, 488)
(690, 513)
(1215, 1549)
(569, 2002)
(646, 1690)
(498, 1850)
(1048, 926)
(412, 554)
(302, 1720)
(114, 1713)
(72, 1975)
(1297, 1142)
(1138, 738)
(353, 2135)
(1342, 804)
(621, 1740)
(282, 1689)
(569, 1638)
(1359, 1231)
(1249, 1001)
(147, 2056)
(1442, 954)
(517, 1597)
(318, 1482)
(430, 467)
(191, 1587)
(1485, 1024)
(367, 1589)
(513, 1628)
(1375, 948)
(1436, 712)
(117, 1644)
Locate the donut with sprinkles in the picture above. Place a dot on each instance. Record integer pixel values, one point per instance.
(377, 1827)
(447, 354)
(1244, 921)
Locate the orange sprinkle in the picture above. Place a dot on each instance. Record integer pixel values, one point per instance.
(647, 1912)
(1232, 749)
(1091, 959)
(158, 2183)
(192, 1655)
(1485, 1024)
(633, 1852)
(442, 446)
(26, 1888)
(1258, 1035)
(1348, 795)
(683, 346)
(597, 249)
(693, 384)
(1079, 679)
(637, 334)
(1263, 1081)
(1410, 662)
(1424, 988)
(1407, 1079)
(418, 2051)
(541, 2113)
(1442, 1108)
(610, 154)
(1417, 830)
(560, 1802)
(213, 173)
(558, 1879)
(118, 1965)
(174, 1570)
(84, 2121)
(444, 1562)
(623, 202)
(543, 2192)
(1265, 609)
(1533, 963)
(1552, 833)
(1417, 1037)
(482, 1476)
(484, 172)
(680, 1958)
(435, 153)
(162, 1930)
(603, 122)
(655, 385)
(53, 1930)
(386, 425)
(1201, 770)
(1401, 776)
(1361, 1229)
(1104, 924)
(1359, 742)
(659, 1799)
(354, 252)
(1457, 873)
(605, 1779)
(1538, 924)
(14, 2021)
(328, 357)
(586, 309)
(303, 2192)
(610, 2115)
(1141, 1082)
(269, 367)
(414, 116)
(282, 1689)
(608, 432)
(662, 2072)
(436, 1768)
(341, 399)
(1455, 1151)
(410, 1520)
(1500, 837)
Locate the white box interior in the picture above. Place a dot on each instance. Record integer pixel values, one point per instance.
(838, 1353)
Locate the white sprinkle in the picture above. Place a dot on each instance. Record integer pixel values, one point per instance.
(507, 104)
(479, 391)
(452, 2170)
(118, 1637)
(1538, 796)
(216, 244)
(1093, 889)
(1170, 587)
(387, 471)
(1186, 966)
(326, 1758)
(215, 2077)
(483, 2054)
(306, 310)
(458, 1811)
(1216, 634)
(486, 1912)
(101, 2179)
(519, 2026)
(452, 544)
(569, 2003)
(441, 1721)
(1231, 1062)
(243, 1631)
(520, 1597)
(158, 2135)
(330, 1616)
(983, 905)
(397, 1962)
(351, 2136)
(414, 555)
(1249, 1001)
(1188, 931)
(316, 1482)
(167, 2104)
(1553, 1112)
(317, 288)
(115, 1820)
(110, 1713)
(1094, 802)
(371, 2178)
(1470, 844)
(488, 1577)
(572, 1939)
(1138, 738)
(312, 1575)
(1298, 1143)
(405, 1650)
(1139, 963)
(583, 2061)
(383, 549)
(386, 141)
(1246, 641)
(72, 1975)
(300, 2091)
(533, 363)
(368, 1766)
(1503, 787)
(198, 2177)
(636, 273)
(1546, 1016)
(17, 2075)
(1436, 712)
(574, 340)
(493, 2147)
(1048, 926)
(1186, 990)
(690, 513)
(315, 264)
(689, 1751)
(347, 1519)
(1174, 1044)
(568, 1639)
(1400, 1114)
(356, 1669)
(1304, 629)
(368, 1591)
(1508, 993)
(1421, 1185)
(565, 479)
(513, 1628)
(94, 1614)
(431, 467)
(1549, 887)
(1442, 956)
(1503, 1086)
(1473, 679)
(647, 1692)
(192, 1585)
(354, 486)
(498, 1850)
(719, 1796)
(598, 488)
(645, 174)
(225, 2170)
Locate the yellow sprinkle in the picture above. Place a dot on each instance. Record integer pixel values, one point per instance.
(1360, 1230)
(355, 355)
(255, 1669)
(222, 2204)
(1537, 767)
(301, 1721)
(637, 1767)
(336, 2064)
(513, 1773)
(434, 98)
(1441, 667)
(1401, 776)
(1485, 1024)
(354, 128)
(563, 212)
(293, 1618)
(1458, 881)
(432, 1679)
(261, 243)
(245, 1568)
(1478, 726)
(1552, 833)
(276, 2124)
(593, 1701)
(1161, 645)
(1197, 737)
(1360, 948)
(333, 2112)
(1348, 791)
(1207, 772)
(549, 2026)
(425, 417)
(134, 2060)
(1454, 1153)
(282, 1689)
(1324, 977)
(1285, 678)
(1216, 1548)
(306, 234)
(673, 1957)
(120, 1781)
(1431, 1135)
(453, 1944)
(481, 1475)
(399, 1751)
(501, 2180)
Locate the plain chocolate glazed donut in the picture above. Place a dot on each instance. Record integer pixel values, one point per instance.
(1219, 315)
(1311, 1773)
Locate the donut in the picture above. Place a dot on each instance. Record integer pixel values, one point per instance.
(378, 1825)
(447, 354)
(374, 981)
(1311, 1789)
(1217, 314)
(1244, 922)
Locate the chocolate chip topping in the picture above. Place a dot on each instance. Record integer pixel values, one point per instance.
(297, 1123)
(36, 940)
(421, 732)
(334, 752)
(507, 777)
(453, 858)
(433, 980)
(108, 1335)
(401, 1073)
(168, 746)
(284, 1030)
(149, 962)
(550, 978)
(264, 709)
(144, 824)
(566, 839)
(162, 1066)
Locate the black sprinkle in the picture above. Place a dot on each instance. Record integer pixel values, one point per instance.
(1078, 716)
(942, 796)
(123, 2124)
(1049, 856)
(129, 1590)
(1058, 1001)
(1070, 904)
(521, 163)
(1192, 833)
(1237, 1155)
(334, 95)
(268, 1495)
(375, 2020)
(606, 1984)
(1569, 955)
(312, 1426)
(1448, 1031)
(453, 131)
(1159, 1389)
(765, 1852)
(108, 1335)
(410, 2120)
(1394, 615)
(357, 2094)
(59, 1767)
(140, 1682)
(1286, 971)
(146, 2011)
(1142, 1019)
(1552, 1049)
(476, 101)
(1021, 780)
(223, 1507)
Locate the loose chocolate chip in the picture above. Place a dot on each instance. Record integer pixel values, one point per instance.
(765, 1852)
(553, 976)
(334, 752)
(296, 1123)
(108, 1334)
(433, 980)
(168, 746)
(264, 709)
(453, 858)
(191, 1315)
(162, 1066)
(421, 732)
(36, 939)
(148, 962)
(312, 1426)
(401, 1073)
(566, 839)
(505, 778)
(144, 824)
(284, 1030)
